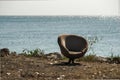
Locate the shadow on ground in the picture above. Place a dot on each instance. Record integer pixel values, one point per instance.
(66, 64)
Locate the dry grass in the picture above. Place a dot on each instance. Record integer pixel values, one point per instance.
(88, 58)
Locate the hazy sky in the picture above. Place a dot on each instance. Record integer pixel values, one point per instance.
(60, 7)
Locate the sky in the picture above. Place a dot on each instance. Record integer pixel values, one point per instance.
(60, 7)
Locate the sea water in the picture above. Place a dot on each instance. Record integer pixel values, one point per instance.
(31, 32)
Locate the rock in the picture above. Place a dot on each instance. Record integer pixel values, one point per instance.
(84, 69)
(55, 62)
(51, 63)
(4, 52)
(54, 55)
(63, 69)
(2, 66)
(99, 72)
(93, 76)
(8, 74)
(89, 66)
(37, 73)
(95, 73)
(101, 59)
(20, 69)
(111, 70)
(61, 77)
(58, 78)
(104, 76)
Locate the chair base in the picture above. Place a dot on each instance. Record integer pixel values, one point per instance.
(71, 61)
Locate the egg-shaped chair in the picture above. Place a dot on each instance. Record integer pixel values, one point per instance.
(72, 46)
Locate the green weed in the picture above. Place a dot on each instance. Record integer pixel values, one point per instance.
(88, 58)
(33, 53)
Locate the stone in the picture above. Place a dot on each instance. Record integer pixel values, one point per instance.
(101, 59)
(20, 69)
(95, 73)
(55, 62)
(111, 70)
(84, 69)
(4, 52)
(8, 74)
(104, 76)
(54, 55)
(37, 73)
(62, 75)
(64, 69)
(58, 78)
(51, 63)
(89, 66)
(99, 72)
(93, 76)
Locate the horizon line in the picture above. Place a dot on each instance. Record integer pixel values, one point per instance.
(69, 15)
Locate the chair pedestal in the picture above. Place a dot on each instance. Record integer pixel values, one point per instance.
(71, 61)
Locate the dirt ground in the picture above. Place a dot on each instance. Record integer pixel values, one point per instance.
(34, 68)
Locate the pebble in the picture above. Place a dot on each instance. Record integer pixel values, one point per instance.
(88, 66)
(99, 72)
(95, 73)
(51, 63)
(61, 77)
(20, 69)
(55, 61)
(111, 70)
(37, 73)
(84, 69)
(8, 74)
(114, 64)
(104, 76)
(93, 76)
(64, 69)
(3, 66)
(58, 78)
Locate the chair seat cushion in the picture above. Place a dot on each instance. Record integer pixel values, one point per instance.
(73, 52)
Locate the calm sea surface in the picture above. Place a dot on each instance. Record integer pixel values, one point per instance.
(31, 32)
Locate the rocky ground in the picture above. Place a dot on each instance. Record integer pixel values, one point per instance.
(19, 67)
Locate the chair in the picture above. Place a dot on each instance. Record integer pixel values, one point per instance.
(72, 46)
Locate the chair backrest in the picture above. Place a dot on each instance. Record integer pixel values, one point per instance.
(75, 43)
(72, 46)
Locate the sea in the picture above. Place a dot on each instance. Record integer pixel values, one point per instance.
(30, 32)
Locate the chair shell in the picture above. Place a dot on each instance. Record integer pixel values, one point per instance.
(72, 46)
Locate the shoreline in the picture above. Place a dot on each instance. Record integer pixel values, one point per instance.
(41, 53)
(47, 52)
